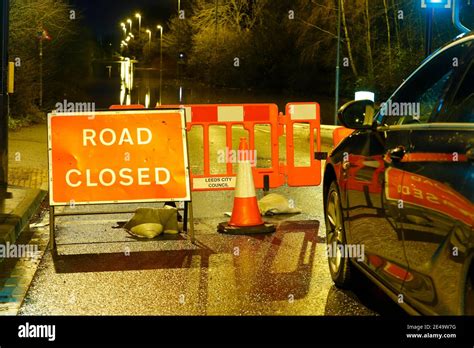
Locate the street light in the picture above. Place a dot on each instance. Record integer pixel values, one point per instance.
(435, 3)
(129, 21)
(139, 16)
(149, 39)
(124, 28)
(338, 61)
(161, 57)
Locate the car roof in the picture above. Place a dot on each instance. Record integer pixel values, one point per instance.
(458, 40)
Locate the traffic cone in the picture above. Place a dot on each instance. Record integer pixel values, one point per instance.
(246, 218)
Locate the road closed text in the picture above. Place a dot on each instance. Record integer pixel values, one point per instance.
(118, 156)
(125, 176)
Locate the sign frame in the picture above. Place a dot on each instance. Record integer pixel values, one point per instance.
(188, 208)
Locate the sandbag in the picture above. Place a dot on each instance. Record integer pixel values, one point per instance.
(275, 203)
(151, 222)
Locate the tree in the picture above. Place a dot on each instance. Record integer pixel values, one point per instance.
(65, 57)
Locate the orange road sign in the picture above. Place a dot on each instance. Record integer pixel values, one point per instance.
(118, 156)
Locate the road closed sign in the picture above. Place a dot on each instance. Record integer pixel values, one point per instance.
(118, 156)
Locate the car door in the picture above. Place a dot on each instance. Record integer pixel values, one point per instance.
(437, 188)
(371, 226)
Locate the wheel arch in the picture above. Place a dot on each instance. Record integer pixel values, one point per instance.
(329, 177)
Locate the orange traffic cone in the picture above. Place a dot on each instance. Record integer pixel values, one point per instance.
(246, 216)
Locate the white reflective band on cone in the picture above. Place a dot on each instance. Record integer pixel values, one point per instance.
(245, 187)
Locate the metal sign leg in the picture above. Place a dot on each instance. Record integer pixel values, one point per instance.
(52, 238)
(185, 218)
(191, 222)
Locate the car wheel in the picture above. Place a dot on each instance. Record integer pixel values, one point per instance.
(469, 295)
(339, 266)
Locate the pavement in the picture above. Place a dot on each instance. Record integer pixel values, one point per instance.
(27, 156)
(26, 192)
(99, 269)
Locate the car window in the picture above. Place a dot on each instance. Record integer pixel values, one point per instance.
(461, 109)
(422, 95)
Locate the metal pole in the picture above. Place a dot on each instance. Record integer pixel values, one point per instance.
(4, 9)
(161, 61)
(41, 71)
(139, 25)
(217, 42)
(178, 77)
(456, 18)
(429, 31)
(338, 62)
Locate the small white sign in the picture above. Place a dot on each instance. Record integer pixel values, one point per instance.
(214, 183)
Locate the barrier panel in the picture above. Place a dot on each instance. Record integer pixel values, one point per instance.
(248, 116)
(307, 114)
(251, 117)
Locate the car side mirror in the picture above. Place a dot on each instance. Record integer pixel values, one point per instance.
(357, 114)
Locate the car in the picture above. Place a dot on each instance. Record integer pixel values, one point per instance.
(399, 190)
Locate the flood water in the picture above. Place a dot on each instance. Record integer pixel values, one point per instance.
(125, 83)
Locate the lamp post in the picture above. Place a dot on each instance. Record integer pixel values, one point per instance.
(139, 16)
(124, 28)
(161, 58)
(129, 21)
(338, 61)
(430, 6)
(148, 31)
(4, 10)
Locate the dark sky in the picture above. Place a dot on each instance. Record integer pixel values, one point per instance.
(104, 16)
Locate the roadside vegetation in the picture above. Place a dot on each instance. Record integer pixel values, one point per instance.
(67, 52)
(286, 47)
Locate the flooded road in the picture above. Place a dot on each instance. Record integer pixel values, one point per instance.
(128, 83)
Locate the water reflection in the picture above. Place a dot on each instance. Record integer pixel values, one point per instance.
(147, 98)
(127, 81)
(126, 77)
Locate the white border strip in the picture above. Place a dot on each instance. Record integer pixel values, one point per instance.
(122, 112)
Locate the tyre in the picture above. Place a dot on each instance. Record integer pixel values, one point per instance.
(340, 267)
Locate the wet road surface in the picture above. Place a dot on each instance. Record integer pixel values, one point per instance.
(102, 270)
